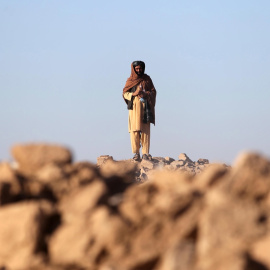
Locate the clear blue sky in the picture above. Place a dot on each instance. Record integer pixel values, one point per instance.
(63, 65)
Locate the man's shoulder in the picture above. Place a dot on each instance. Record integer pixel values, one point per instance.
(147, 77)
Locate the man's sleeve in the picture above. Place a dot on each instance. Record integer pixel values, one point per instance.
(128, 96)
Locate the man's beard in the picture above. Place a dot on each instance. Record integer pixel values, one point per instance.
(139, 73)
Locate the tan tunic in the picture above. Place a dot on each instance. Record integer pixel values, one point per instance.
(135, 116)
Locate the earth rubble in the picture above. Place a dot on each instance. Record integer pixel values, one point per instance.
(156, 214)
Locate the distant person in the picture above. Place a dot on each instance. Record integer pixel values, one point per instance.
(140, 95)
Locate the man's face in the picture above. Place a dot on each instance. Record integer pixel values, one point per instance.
(139, 70)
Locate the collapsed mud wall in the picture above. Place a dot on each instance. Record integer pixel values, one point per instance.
(56, 214)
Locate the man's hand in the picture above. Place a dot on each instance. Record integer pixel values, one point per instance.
(137, 92)
(142, 94)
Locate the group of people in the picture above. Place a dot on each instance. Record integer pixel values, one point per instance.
(139, 94)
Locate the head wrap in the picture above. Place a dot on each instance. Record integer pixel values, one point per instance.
(134, 78)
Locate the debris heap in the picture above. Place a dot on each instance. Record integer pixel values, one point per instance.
(60, 215)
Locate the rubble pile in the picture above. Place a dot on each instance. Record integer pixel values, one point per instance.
(162, 214)
(144, 168)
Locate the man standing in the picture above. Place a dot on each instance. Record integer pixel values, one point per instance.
(140, 95)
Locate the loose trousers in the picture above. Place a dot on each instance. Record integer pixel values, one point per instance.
(141, 138)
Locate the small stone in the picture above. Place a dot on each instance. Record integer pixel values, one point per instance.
(169, 159)
(181, 162)
(189, 165)
(147, 164)
(203, 161)
(176, 164)
(185, 157)
(103, 159)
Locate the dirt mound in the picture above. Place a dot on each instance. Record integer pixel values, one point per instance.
(157, 214)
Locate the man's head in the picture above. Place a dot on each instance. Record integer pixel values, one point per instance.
(139, 67)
